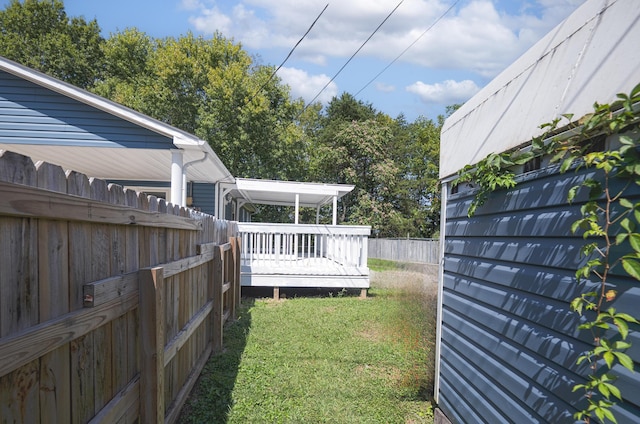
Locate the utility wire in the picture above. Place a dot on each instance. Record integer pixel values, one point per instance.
(352, 56)
(405, 50)
(288, 56)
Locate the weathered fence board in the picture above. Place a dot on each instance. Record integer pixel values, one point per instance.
(405, 250)
(104, 294)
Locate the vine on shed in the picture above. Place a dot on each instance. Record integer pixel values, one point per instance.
(610, 223)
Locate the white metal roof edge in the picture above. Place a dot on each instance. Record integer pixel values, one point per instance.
(245, 184)
(577, 63)
(547, 44)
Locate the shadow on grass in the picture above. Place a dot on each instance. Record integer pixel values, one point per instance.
(212, 397)
(292, 292)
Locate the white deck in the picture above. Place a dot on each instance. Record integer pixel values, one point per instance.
(283, 255)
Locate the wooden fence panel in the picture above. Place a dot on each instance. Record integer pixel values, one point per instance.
(104, 294)
(405, 250)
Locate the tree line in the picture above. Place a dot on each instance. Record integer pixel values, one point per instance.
(213, 88)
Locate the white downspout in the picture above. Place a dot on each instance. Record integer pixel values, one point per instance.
(184, 176)
(318, 215)
(176, 177)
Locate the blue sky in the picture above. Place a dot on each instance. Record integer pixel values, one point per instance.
(469, 46)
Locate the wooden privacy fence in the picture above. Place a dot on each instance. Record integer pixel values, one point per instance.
(405, 250)
(110, 301)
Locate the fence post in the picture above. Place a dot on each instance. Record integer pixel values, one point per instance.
(151, 301)
(235, 281)
(218, 298)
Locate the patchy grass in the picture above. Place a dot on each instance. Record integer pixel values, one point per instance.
(379, 265)
(326, 359)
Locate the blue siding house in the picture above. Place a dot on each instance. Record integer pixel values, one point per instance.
(507, 339)
(49, 120)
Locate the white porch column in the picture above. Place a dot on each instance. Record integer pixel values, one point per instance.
(335, 210)
(317, 214)
(297, 208)
(176, 177)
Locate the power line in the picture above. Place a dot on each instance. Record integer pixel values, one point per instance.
(288, 56)
(405, 50)
(352, 56)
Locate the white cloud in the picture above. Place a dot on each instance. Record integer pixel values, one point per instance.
(447, 92)
(385, 88)
(308, 86)
(190, 4)
(209, 20)
(476, 36)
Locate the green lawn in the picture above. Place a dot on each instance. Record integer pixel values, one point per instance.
(337, 359)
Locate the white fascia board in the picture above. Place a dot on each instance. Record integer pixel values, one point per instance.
(294, 187)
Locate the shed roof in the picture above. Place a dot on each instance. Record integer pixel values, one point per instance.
(591, 56)
(119, 162)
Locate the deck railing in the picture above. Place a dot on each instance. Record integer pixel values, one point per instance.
(297, 245)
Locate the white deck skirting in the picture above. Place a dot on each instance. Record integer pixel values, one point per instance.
(283, 255)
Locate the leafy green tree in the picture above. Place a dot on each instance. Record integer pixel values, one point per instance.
(40, 35)
(210, 87)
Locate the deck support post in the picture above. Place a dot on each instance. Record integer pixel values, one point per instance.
(276, 293)
(363, 293)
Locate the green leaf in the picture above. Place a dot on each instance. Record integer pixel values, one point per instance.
(625, 360)
(566, 164)
(628, 225)
(626, 203)
(627, 318)
(576, 305)
(607, 413)
(626, 140)
(620, 238)
(634, 241)
(572, 193)
(623, 327)
(632, 267)
(615, 391)
(604, 390)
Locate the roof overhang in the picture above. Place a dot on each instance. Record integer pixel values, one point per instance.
(125, 163)
(120, 163)
(283, 193)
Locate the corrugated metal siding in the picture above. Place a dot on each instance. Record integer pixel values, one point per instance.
(32, 114)
(204, 197)
(509, 341)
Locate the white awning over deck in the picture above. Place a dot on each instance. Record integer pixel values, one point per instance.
(288, 193)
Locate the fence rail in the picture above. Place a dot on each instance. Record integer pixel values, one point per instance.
(405, 250)
(110, 301)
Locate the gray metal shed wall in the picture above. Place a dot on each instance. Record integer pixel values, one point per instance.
(509, 340)
(32, 114)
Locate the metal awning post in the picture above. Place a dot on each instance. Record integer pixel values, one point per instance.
(335, 210)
